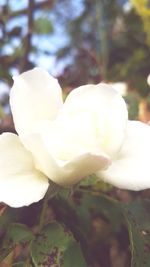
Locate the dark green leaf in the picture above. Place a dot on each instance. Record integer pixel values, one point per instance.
(16, 234)
(80, 210)
(10, 215)
(84, 204)
(55, 246)
(138, 219)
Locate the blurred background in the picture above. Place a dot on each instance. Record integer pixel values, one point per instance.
(79, 42)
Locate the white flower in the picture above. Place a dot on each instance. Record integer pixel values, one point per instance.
(87, 134)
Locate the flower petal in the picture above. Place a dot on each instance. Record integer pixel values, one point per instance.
(131, 168)
(82, 166)
(65, 173)
(108, 111)
(69, 137)
(20, 183)
(34, 96)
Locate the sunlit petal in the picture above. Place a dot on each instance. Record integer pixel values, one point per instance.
(34, 96)
(108, 111)
(20, 183)
(131, 168)
(61, 171)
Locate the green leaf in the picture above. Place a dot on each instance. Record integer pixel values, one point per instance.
(94, 183)
(84, 204)
(55, 246)
(100, 204)
(10, 215)
(138, 219)
(80, 210)
(16, 234)
(73, 256)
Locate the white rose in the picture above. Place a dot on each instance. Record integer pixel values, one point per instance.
(87, 134)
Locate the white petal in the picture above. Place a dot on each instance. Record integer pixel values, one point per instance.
(34, 96)
(69, 137)
(131, 169)
(82, 166)
(64, 173)
(108, 111)
(20, 183)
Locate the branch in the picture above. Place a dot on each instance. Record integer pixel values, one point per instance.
(45, 4)
(27, 40)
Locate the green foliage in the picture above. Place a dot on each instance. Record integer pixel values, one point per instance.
(9, 216)
(55, 246)
(138, 219)
(86, 204)
(105, 43)
(16, 234)
(142, 7)
(1, 112)
(86, 222)
(132, 100)
(96, 184)
(128, 58)
(43, 26)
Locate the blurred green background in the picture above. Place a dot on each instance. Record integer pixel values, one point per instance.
(79, 42)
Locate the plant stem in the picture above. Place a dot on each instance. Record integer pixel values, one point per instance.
(51, 192)
(42, 215)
